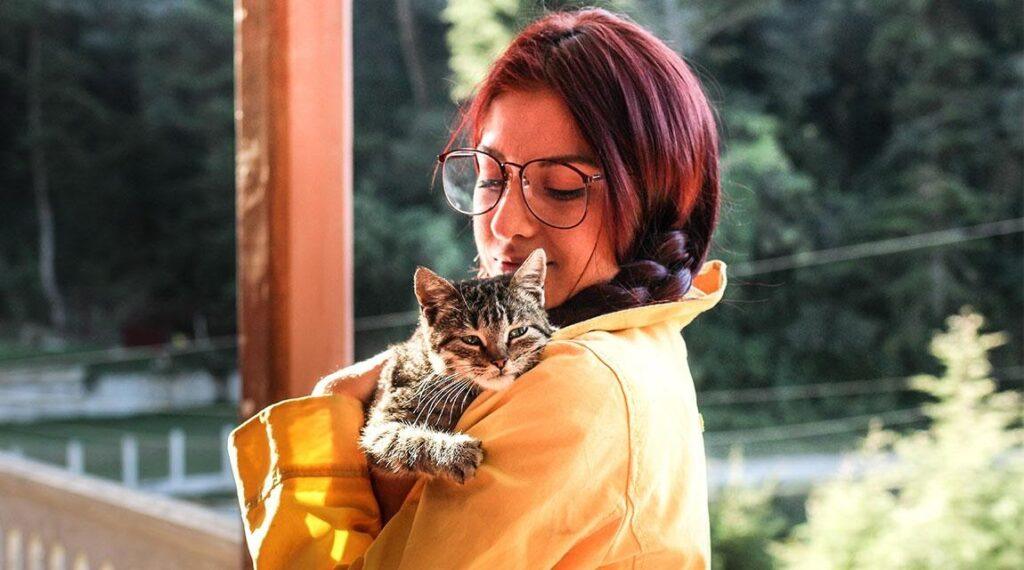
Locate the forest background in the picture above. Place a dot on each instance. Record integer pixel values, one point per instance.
(872, 159)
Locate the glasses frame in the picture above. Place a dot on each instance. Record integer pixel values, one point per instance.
(587, 179)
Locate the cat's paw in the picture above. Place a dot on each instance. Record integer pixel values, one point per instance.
(466, 456)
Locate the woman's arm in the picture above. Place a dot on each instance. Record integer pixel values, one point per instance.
(360, 381)
(551, 489)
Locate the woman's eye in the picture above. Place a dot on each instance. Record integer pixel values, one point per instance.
(516, 332)
(471, 339)
(565, 195)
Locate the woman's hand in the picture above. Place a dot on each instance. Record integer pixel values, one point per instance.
(358, 380)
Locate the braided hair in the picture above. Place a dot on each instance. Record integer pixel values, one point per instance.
(661, 270)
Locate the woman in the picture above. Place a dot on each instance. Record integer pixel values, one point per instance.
(595, 457)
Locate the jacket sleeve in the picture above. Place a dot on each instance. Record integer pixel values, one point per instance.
(303, 485)
(551, 489)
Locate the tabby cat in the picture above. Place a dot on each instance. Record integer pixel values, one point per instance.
(472, 335)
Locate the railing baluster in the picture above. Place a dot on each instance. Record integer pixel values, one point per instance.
(81, 562)
(58, 557)
(36, 553)
(75, 457)
(14, 553)
(176, 457)
(225, 458)
(130, 461)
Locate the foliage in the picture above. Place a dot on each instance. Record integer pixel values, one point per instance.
(743, 525)
(947, 497)
(842, 123)
(137, 127)
(480, 30)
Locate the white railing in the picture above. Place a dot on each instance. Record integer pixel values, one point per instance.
(53, 519)
(178, 482)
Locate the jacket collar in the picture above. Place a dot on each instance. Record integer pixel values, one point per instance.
(705, 292)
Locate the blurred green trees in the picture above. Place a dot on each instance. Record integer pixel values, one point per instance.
(744, 524)
(948, 497)
(136, 124)
(842, 123)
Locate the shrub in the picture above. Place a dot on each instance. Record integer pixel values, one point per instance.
(948, 497)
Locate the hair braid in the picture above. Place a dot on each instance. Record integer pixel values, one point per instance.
(662, 271)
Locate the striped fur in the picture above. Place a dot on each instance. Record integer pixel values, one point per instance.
(473, 335)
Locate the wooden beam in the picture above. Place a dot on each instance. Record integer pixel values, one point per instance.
(293, 123)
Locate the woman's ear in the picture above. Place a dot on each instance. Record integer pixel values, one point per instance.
(532, 272)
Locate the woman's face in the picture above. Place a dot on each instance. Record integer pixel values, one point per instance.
(521, 126)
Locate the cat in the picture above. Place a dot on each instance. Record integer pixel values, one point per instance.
(472, 335)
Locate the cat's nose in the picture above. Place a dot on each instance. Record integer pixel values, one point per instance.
(500, 363)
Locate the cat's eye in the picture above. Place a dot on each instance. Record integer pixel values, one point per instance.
(516, 332)
(472, 339)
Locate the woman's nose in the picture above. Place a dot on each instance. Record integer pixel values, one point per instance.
(511, 217)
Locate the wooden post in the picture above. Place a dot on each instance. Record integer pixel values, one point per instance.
(294, 195)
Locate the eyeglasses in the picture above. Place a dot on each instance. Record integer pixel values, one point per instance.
(556, 193)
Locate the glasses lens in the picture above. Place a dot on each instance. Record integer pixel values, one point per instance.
(555, 193)
(472, 181)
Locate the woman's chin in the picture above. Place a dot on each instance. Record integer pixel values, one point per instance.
(496, 382)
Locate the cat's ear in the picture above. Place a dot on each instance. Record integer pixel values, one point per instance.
(532, 272)
(432, 289)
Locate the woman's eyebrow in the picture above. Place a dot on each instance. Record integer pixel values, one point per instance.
(580, 158)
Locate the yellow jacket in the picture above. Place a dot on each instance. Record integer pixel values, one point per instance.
(595, 458)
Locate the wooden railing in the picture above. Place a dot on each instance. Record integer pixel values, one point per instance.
(53, 519)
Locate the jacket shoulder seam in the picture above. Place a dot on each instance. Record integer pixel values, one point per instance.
(629, 520)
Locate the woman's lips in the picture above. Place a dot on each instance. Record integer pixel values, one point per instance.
(509, 267)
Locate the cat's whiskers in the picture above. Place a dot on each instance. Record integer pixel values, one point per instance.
(454, 388)
(462, 406)
(421, 405)
(434, 399)
(422, 396)
(466, 389)
(421, 389)
(450, 401)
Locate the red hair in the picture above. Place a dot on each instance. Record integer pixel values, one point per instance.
(643, 111)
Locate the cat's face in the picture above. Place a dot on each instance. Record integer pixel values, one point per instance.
(487, 330)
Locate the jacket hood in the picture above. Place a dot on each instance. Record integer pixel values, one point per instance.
(705, 292)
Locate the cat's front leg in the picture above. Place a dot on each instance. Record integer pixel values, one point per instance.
(403, 448)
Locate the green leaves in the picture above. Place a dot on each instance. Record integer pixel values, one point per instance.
(947, 497)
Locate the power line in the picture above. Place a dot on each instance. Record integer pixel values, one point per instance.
(850, 424)
(825, 389)
(879, 247)
(804, 259)
(746, 269)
